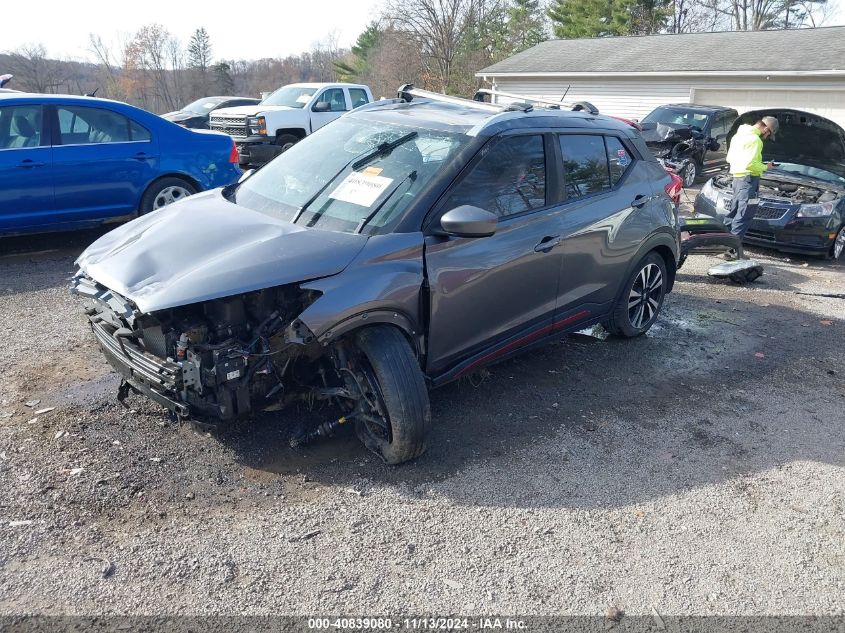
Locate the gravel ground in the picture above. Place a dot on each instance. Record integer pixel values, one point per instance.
(697, 470)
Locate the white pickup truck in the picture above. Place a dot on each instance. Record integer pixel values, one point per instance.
(263, 131)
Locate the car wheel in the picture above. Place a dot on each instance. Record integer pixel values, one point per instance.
(642, 297)
(165, 191)
(689, 174)
(838, 249)
(286, 141)
(396, 419)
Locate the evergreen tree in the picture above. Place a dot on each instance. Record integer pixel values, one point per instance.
(526, 25)
(223, 78)
(590, 18)
(199, 50)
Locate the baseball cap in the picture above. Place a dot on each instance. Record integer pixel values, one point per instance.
(771, 123)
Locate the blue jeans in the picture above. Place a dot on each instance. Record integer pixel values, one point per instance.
(741, 212)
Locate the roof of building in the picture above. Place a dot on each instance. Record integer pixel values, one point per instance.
(777, 52)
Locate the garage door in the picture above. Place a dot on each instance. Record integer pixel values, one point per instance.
(827, 103)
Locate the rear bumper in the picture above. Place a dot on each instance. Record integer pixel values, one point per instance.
(810, 236)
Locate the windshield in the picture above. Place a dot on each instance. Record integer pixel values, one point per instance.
(203, 106)
(290, 96)
(677, 116)
(336, 179)
(811, 172)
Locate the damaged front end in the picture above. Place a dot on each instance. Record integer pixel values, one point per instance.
(217, 360)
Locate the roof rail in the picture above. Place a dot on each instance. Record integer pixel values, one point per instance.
(578, 106)
(407, 92)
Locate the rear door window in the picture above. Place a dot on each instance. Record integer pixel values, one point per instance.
(85, 126)
(585, 165)
(20, 126)
(358, 97)
(509, 179)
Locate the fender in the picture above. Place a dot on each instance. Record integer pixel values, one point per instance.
(382, 317)
(660, 238)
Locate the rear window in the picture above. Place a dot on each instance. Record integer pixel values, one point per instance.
(585, 165)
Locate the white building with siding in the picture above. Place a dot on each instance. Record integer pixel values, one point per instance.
(630, 76)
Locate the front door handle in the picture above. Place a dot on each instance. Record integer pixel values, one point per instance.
(547, 244)
(29, 164)
(141, 156)
(640, 201)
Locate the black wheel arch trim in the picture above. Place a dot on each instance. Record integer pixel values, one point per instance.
(380, 316)
(660, 242)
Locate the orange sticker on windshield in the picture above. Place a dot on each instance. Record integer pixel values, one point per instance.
(372, 171)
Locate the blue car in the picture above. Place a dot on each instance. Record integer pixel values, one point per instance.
(76, 162)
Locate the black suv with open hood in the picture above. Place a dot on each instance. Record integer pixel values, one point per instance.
(801, 201)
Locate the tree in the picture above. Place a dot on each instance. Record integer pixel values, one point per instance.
(355, 65)
(199, 50)
(223, 78)
(34, 71)
(590, 18)
(526, 25)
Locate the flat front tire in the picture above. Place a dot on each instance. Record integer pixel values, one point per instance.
(398, 426)
(642, 297)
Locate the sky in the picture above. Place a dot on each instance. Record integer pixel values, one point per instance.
(238, 30)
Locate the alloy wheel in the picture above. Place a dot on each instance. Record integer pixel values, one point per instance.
(689, 174)
(644, 298)
(839, 244)
(169, 195)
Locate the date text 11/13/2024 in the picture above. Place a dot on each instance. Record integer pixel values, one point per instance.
(416, 624)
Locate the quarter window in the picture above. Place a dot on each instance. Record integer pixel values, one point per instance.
(509, 179)
(20, 126)
(585, 165)
(84, 126)
(618, 158)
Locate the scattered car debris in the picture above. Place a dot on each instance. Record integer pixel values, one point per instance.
(20, 523)
(45, 410)
(32, 403)
(454, 584)
(614, 614)
(59, 435)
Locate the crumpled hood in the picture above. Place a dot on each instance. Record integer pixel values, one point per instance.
(803, 139)
(247, 110)
(206, 247)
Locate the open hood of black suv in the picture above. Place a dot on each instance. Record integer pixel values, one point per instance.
(803, 139)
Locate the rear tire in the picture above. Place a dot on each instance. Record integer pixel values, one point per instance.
(165, 191)
(689, 174)
(400, 391)
(642, 296)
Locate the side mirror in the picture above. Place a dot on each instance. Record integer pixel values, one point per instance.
(713, 146)
(322, 106)
(245, 175)
(469, 221)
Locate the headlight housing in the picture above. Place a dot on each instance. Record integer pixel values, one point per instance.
(821, 210)
(256, 126)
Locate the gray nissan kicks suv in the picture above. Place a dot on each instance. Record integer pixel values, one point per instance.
(405, 245)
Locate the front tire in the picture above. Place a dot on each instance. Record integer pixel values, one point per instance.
(286, 141)
(164, 192)
(689, 174)
(837, 251)
(400, 420)
(642, 298)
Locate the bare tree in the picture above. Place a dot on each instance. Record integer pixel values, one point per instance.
(34, 71)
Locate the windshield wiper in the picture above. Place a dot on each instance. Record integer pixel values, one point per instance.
(366, 220)
(357, 162)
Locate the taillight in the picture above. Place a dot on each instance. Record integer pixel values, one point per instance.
(673, 189)
(234, 157)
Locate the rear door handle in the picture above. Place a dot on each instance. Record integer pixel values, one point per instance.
(547, 244)
(142, 156)
(29, 164)
(640, 201)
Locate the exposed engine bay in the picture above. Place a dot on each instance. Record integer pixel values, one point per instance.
(781, 190)
(225, 358)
